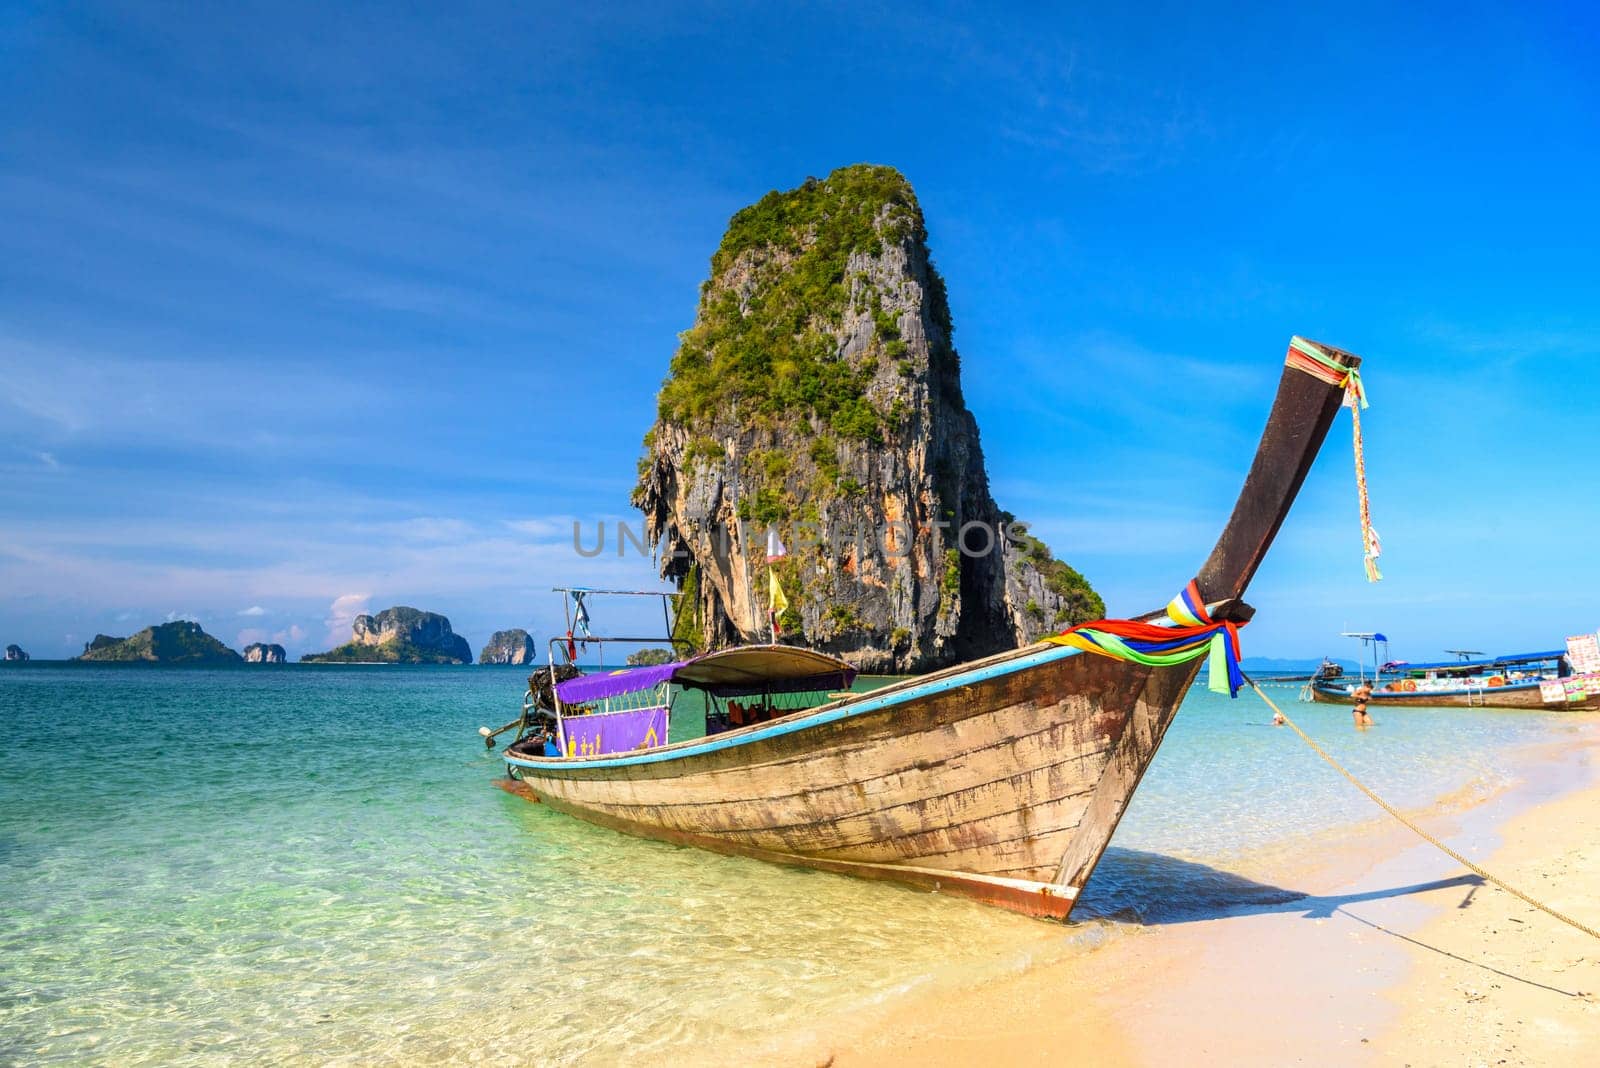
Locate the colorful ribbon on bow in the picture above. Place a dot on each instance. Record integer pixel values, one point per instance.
(1310, 357)
(1193, 635)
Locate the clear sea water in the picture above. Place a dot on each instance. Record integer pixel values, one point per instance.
(297, 863)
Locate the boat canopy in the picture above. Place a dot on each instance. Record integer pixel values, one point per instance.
(1528, 658)
(1460, 665)
(742, 670)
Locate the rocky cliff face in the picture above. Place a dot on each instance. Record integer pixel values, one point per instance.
(819, 392)
(399, 635)
(14, 652)
(512, 646)
(182, 642)
(259, 653)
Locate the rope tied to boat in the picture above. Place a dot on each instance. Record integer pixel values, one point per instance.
(1418, 831)
(1193, 634)
(1311, 358)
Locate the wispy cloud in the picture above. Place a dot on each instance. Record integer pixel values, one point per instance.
(342, 615)
(318, 575)
(253, 610)
(118, 397)
(291, 637)
(1504, 348)
(1136, 387)
(1124, 133)
(541, 528)
(431, 529)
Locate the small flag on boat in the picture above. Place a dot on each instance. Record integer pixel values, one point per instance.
(775, 597)
(580, 616)
(775, 549)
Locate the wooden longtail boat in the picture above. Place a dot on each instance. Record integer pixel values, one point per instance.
(1002, 779)
(1522, 680)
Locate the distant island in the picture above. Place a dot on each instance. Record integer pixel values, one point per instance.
(512, 646)
(181, 642)
(649, 657)
(14, 652)
(259, 653)
(399, 635)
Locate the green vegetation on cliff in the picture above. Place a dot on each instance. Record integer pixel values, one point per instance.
(688, 625)
(181, 642)
(773, 351)
(1082, 603)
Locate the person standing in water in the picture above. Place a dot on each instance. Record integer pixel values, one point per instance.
(1362, 694)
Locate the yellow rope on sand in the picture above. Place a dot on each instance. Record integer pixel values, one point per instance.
(1424, 835)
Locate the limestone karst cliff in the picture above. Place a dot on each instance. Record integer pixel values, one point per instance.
(512, 646)
(265, 653)
(399, 635)
(15, 652)
(819, 391)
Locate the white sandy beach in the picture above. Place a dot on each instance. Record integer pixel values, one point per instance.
(1395, 956)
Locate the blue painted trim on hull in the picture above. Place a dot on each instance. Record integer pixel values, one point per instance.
(717, 742)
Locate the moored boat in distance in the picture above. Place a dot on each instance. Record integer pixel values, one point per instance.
(1519, 680)
(1001, 779)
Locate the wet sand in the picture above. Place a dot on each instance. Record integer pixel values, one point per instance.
(1395, 955)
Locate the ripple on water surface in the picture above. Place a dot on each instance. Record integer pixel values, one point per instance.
(313, 863)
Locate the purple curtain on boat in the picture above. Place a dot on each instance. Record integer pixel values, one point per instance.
(615, 732)
(586, 689)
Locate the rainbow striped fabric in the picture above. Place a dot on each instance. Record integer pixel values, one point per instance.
(1193, 635)
(1313, 359)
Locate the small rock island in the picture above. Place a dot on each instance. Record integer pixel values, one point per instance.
(398, 635)
(14, 652)
(181, 642)
(260, 653)
(512, 646)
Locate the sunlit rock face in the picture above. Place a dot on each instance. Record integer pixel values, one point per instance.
(512, 646)
(399, 635)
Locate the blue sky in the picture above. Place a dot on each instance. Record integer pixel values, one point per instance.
(309, 309)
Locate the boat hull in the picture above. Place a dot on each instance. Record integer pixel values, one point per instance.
(1488, 697)
(979, 781)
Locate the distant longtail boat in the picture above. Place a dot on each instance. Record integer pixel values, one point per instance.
(1002, 779)
(1518, 680)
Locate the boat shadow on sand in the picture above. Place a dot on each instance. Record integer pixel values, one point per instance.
(1152, 889)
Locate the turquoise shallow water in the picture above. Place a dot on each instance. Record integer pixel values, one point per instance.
(280, 864)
